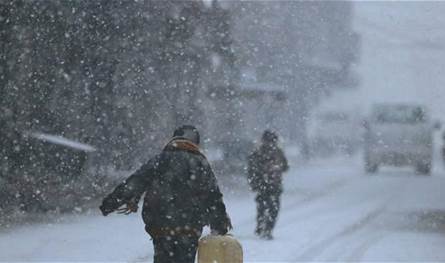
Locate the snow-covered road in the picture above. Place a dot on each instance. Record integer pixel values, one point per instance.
(331, 211)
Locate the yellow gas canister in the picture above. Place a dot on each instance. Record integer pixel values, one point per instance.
(219, 249)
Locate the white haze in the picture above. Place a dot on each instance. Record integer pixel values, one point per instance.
(403, 56)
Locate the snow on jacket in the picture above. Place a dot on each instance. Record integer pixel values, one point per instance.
(181, 191)
(265, 168)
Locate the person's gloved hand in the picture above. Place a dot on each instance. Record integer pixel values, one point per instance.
(128, 209)
(105, 210)
(223, 227)
(219, 232)
(109, 205)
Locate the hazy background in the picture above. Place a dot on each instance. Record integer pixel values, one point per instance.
(90, 90)
(402, 53)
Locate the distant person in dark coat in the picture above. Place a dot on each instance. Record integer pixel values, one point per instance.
(265, 171)
(181, 197)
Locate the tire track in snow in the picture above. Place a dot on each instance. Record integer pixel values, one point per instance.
(316, 249)
(373, 237)
(333, 188)
(358, 253)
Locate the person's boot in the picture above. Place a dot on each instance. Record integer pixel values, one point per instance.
(267, 235)
(258, 231)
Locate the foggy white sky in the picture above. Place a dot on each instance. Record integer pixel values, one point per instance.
(403, 53)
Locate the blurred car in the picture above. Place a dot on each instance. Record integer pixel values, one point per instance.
(399, 134)
(335, 131)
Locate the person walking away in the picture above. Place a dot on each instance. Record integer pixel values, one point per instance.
(181, 197)
(266, 166)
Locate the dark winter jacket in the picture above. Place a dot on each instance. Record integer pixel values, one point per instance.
(265, 169)
(181, 191)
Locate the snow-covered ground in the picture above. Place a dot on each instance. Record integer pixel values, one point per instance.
(331, 210)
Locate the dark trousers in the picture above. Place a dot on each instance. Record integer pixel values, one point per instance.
(268, 206)
(175, 247)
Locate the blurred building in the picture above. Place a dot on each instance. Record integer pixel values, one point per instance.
(307, 48)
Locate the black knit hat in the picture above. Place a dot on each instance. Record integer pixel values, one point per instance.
(269, 136)
(188, 132)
